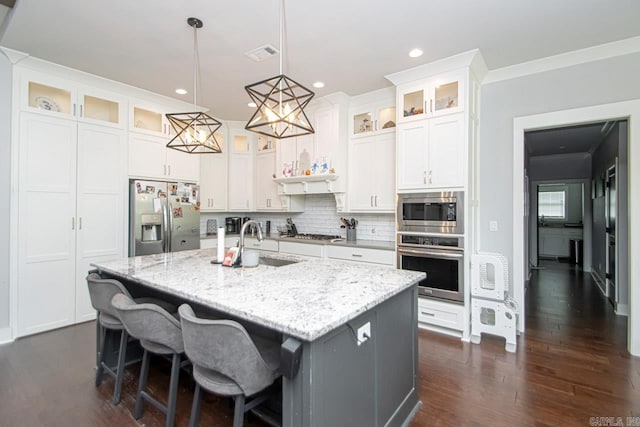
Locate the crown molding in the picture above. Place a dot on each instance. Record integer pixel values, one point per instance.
(563, 60)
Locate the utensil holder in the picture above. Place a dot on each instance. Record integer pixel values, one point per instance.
(351, 234)
(212, 227)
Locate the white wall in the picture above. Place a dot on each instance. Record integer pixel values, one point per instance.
(594, 83)
(5, 171)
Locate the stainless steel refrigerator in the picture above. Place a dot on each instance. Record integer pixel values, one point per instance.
(163, 217)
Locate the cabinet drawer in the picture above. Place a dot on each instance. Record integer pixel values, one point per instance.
(441, 314)
(265, 245)
(375, 256)
(295, 248)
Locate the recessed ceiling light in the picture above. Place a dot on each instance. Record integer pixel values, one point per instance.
(252, 105)
(318, 85)
(562, 147)
(181, 91)
(415, 53)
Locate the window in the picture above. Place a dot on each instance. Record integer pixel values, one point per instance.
(551, 204)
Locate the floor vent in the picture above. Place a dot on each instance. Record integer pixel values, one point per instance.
(261, 53)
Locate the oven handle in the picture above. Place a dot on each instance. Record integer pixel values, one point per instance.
(439, 254)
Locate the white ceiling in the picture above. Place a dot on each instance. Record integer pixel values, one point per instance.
(350, 45)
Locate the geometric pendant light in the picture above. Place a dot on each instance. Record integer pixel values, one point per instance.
(280, 103)
(195, 132)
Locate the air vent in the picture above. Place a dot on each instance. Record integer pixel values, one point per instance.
(261, 53)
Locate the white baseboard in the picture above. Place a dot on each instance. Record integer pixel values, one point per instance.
(5, 336)
(622, 309)
(599, 282)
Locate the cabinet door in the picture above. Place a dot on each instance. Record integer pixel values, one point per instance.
(101, 108)
(362, 174)
(183, 166)
(213, 179)
(446, 156)
(240, 188)
(266, 190)
(411, 102)
(446, 94)
(46, 229)
(147, 156)
(149, 119)
(46, 95)
(100, 206)
(412, 155)
(384, 153)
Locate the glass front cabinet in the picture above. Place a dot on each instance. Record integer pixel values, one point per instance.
(61, 98)
(436, 97)
(373, 118)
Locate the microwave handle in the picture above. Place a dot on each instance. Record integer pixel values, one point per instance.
(430, 253)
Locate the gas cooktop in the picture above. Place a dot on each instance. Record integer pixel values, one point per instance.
(315, 237)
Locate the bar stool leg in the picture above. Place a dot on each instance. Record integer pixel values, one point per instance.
(238, 414)
(142, 384)
(100, 370)
(120, 368)
(195, 407)
(173, 390)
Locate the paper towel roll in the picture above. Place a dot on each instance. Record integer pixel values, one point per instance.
(220, 254)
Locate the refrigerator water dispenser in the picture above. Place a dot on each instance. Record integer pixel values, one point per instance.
(151, 226)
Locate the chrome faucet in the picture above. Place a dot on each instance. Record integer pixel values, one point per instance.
(242, 231)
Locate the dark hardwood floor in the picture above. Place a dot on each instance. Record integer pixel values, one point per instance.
(572, 364)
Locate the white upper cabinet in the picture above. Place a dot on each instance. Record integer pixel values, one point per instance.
(240, 185)
(149, 156)
(58, 97)
(150, 119)
(433, 97)
(372, 174)
(213, 178)
(266, 190)
(372, 118)
(431, 153)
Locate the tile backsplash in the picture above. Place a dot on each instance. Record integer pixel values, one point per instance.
(320, 217)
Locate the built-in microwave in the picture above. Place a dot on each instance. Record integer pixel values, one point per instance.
(441, 212)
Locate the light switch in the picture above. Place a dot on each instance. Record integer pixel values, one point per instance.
(493, 225)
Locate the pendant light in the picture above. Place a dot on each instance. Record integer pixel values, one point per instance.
(280, 103)
(195, 132)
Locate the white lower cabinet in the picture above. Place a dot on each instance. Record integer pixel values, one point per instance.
(350, 253)
(555, 241)
(71, 213)
(441, 315)
(306, 249)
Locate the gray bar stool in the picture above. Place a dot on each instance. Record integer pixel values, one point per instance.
(159, 333)
(101, 292)
(228, 362)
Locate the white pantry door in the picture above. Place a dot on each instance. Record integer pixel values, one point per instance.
(46, 225)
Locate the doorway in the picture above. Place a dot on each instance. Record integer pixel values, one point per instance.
(628, 110)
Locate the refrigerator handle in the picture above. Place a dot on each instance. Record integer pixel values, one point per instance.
(169, 226)
(165, 226)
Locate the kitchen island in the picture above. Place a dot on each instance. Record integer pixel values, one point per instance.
(354, 327)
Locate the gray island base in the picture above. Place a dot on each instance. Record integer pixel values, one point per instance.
(355, 324)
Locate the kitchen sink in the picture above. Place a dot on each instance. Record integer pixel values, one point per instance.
(275, 262)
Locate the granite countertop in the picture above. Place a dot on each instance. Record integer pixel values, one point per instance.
(360, 243)
(304, 300)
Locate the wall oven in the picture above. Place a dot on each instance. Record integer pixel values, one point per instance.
(441, 212)
(441, 257)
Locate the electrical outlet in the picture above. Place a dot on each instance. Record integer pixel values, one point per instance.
(373, 231)
(364, 333)
(493, 225)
